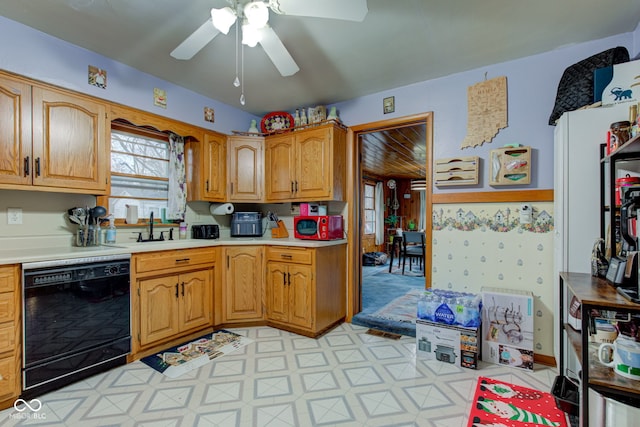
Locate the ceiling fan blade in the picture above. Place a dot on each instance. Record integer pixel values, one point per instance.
(346, 10)
(196, 41)
(279, 54)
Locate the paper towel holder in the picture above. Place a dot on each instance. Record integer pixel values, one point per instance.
(221, 208)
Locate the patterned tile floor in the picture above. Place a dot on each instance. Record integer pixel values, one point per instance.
(344, 378)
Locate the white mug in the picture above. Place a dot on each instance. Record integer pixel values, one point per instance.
(626, 357)
(132, 214)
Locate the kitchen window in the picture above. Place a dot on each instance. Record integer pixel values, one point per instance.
(139, 171)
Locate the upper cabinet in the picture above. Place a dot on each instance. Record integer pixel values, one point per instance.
(246, 172)
(51, 139)
(207, 166)
(306, 165)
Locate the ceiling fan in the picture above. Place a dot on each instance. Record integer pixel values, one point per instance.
(253, 17)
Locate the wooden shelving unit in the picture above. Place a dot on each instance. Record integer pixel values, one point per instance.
(593, 293)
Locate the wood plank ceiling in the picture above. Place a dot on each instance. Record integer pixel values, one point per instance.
(394, 153)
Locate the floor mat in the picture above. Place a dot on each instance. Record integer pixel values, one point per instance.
(178, 360)
(402, 309)
(497, 403)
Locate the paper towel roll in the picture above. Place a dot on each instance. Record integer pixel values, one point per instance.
(221, 208)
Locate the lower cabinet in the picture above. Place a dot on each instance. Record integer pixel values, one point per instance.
(173, 294)
(289, 294)
(10, 327)
(242, 289)
(306, 288)
(174, 304)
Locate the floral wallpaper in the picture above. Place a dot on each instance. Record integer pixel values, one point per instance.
(504, 245)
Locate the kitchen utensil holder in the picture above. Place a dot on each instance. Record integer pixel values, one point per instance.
(87, 236)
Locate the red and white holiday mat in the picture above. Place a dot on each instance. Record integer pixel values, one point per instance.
(501, 404)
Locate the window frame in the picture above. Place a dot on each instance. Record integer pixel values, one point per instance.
(364, 208)
(143, 132)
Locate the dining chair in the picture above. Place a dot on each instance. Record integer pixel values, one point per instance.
(413, 247)
(396, 248)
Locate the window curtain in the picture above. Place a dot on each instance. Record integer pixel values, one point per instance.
(423, 210)
(177, 178)
(379, 196)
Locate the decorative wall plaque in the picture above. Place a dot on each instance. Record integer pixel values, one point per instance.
(487, 111)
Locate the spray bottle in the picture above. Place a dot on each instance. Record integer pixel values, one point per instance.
(110, 237)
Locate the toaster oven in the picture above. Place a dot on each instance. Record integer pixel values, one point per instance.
(205, 231)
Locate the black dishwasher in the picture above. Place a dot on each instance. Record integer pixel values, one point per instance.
(76, 320)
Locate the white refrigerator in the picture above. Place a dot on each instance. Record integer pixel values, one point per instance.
(577, 140)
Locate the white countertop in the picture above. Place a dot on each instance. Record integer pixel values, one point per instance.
(47, 251)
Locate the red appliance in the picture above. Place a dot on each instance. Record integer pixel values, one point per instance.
(319, 227)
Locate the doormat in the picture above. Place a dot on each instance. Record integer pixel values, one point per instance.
(401, 309)
(384, 334)
(178, 360)
(497, 403)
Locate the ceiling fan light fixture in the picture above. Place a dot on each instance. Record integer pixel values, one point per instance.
(223, 19)
(250, 35)
(257, 14)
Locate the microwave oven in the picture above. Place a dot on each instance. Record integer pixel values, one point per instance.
(319, 227)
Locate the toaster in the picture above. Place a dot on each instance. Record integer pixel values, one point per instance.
(205, 231)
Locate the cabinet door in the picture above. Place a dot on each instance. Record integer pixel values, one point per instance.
(69, 141)
(15, 132)
(215, 167)
(277, 292)
(300, 295)
(159, 317)
(245, 163)
(280, 168)
(9, 384)
(243, 283)
(195, 299)
(313, 165)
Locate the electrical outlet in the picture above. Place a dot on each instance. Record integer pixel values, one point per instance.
(14, 216)
(526, 213)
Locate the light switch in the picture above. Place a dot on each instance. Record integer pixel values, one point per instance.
(14, 216)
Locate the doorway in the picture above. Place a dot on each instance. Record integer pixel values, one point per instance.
(380, 162)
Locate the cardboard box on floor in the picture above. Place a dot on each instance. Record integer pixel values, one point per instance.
(507, 319)
(457, 345)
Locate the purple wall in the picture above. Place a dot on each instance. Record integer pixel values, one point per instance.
(532, 83)
(45, 58)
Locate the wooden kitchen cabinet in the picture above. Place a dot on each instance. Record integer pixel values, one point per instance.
(306, 165)
(53, 140)
(10, 327)
(174, 294)
(207, 168)
(306, 288)
(242, 284)
(245, 162)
